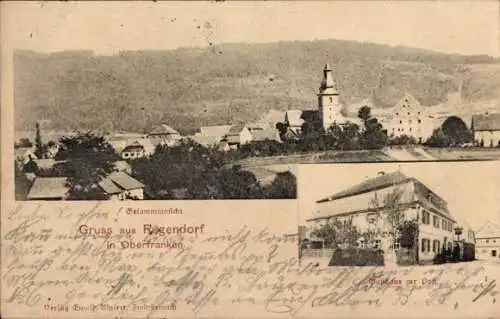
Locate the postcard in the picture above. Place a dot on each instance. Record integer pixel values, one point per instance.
(230, 159)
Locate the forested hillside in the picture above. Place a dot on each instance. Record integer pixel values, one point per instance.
(231, 83)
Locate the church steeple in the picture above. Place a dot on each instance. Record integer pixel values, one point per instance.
(328, 100)
(328, 84)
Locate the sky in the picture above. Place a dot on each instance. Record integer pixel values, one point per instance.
(470, 188)
(466, 27)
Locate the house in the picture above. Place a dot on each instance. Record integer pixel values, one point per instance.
(138, 149)
(488, 241)
(48, 188)
(216, 132)
(364, 205)
(166, 134)
(267, 134)
(47, 167)
(238, 135)
(411, 119)
(120, 185)
(206, 141)
(122, 166)
(486, 129)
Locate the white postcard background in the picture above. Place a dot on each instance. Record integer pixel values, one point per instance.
(243, 265)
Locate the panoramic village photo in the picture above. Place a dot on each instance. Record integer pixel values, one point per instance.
(399, 214)
(194, 107)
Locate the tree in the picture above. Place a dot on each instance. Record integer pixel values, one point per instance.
(364, 113)
(338, 232)
(39, 147)
(438, 139)
(346, 136)
(283, 186)
(455, 129)
(373, 136)
(86, 159)
(390, 211)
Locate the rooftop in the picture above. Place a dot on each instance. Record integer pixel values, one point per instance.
(163, 129)
(378, 182)
(118, 182)
(486, 122)
(48, 188)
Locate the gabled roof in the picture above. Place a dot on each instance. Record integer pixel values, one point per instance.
(25, 151)
(121, 166)
(486, 122)
(263, 135)
(236, 129)
(489, 229)
(205, 140)
(407, 101)
(48, 188)
(216, 131)
(46, 163)
(163, 129)
(118, 182)
(134, 147)
(294, 117)
(378, 182)
(258, 126)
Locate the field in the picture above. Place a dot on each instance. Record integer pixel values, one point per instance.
(408, 154)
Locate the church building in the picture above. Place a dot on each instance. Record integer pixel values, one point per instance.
(327, 112)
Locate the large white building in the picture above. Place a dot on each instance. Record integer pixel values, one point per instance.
(365, 205)
(411, 119)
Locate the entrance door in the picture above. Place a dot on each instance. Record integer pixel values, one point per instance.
(493, 253)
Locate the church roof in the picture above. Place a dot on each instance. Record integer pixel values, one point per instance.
(486, 122)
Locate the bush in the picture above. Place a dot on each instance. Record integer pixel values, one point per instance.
(357, 257)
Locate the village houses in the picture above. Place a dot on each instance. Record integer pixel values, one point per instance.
(488, 241)
(486, 129)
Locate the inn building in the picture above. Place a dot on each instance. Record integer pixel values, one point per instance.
(366, 206)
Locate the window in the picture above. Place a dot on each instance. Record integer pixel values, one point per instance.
(425, 245)
(487, 241)
(443, 224)
(419, 121)
(408, 113)
(376, 243)
(396, 244)
(400, 122)
(397, 113)
(426, 218)
(435, 221)
(410, 129)
(409, 121)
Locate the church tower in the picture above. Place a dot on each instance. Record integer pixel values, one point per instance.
(328, 99)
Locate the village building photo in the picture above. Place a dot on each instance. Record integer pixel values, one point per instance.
(403, 214)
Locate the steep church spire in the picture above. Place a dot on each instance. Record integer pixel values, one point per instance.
(328, 84)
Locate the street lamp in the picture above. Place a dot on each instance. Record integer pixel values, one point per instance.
(458, 232)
